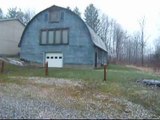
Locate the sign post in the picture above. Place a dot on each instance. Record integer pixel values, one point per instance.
(105, 72)
(46, 69)
(2, 66)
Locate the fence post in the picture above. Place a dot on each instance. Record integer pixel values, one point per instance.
(2, 66)
(46, 69)
(105, 72)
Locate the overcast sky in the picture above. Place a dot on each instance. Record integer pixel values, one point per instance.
(126, 12)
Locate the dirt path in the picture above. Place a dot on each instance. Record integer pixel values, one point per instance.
(61, 98)
(146, 69)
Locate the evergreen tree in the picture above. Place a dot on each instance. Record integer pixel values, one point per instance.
(76, 10)
(92, 17)
(68, 8)
(15, 13)
(1, 13)
(25, 17)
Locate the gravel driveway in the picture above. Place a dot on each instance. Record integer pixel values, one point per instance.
(18, 108)
(36, 97)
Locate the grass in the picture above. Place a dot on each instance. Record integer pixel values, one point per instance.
(121, 81)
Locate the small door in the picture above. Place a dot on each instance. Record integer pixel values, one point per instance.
(95, 61)
(54, 59)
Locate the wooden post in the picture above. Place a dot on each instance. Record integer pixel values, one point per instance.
(105, 72)
(46, 68)
(2, 66)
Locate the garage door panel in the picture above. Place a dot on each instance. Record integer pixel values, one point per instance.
(54, 59)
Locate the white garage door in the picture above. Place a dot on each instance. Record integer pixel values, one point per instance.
(54, 59)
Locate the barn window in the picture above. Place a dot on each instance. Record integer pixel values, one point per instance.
(50, 37)
(43, 37)
(54, 16)
(58, 37)
(54, 36)
(65, 36)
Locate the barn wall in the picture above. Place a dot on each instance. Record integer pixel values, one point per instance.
(101, 57)
(79, 51)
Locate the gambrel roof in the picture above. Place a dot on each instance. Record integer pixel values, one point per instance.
(97, 41)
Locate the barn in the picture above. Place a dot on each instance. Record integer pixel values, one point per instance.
(60, 37)
(10, 34)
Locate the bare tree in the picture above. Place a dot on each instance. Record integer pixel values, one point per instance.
(142, 42)
(136, 48)
(118, 38)
(122, 47)
(28, 15)
(156, 56)
(104, 30)
(111, 37)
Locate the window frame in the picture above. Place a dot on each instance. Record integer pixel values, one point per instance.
(59, 36)
(62, 37)
(42, 37)
(54, 32)
(59, 16)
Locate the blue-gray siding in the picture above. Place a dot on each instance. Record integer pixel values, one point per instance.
(80, 49)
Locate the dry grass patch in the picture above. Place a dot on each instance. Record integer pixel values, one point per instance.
(75, 95)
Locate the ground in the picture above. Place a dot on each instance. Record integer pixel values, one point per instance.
(25, 92)
(41, 97)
